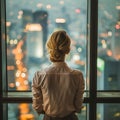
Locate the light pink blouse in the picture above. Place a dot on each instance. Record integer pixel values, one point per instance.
(58, 90)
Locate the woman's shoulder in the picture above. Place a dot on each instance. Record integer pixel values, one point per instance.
(39, 73)
(77, 71)
(43, 71)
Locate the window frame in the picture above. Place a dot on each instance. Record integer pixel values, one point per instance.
(92, 100)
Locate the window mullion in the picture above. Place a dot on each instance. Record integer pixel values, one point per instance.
(3, 107)
(93, 57)
(3, 53)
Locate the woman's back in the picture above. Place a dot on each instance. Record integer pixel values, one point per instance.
(59, 85)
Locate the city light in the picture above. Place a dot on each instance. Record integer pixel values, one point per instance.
(77, 10)
(100, 64)
(8, 24)
(39, 5)
(118, 7)
(61, 2)
(17, 84)
(13, 42)
(10, 67)
(117, 26)
(76, 57)
(18, 73)
(79, 49)
(21, 75)
(117, 114)
(104, 45)
(33, 27)
(19, 17)
(48, 6)
(20, 12)
(109, 33)
(11, 85)
(60, 20)
(109, 53)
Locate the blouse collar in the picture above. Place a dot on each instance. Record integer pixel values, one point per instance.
(59, 63)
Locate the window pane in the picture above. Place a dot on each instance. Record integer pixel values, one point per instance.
(29, 24)
(108, 111)
(24, 111)
(108, 61)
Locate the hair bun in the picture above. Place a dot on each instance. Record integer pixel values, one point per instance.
(58, 45)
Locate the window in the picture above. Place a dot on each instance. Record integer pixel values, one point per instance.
(108, 65)
(108, 111)
(29, 27)
(94, 28)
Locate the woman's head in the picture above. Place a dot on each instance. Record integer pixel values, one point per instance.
(58, 45)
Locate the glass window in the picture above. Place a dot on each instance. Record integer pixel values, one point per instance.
(29, 24)
(108, 61)
(24, 111)
(108, 111)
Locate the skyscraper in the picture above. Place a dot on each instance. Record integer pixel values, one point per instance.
(41, 17)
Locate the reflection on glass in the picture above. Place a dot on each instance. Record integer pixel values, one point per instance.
(24, 111)
(108, 111)
(108, 94)
(29, 24)
(108, 62)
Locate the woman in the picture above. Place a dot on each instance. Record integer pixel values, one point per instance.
(58, 89)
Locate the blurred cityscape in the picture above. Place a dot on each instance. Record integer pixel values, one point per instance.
(29, 25)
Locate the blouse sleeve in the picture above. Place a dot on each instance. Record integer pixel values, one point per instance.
(79, 94)
(37, 97)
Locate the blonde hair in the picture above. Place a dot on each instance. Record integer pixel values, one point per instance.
(58, 45)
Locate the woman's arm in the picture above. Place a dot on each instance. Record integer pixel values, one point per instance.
(37, 95)
(79, 94)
